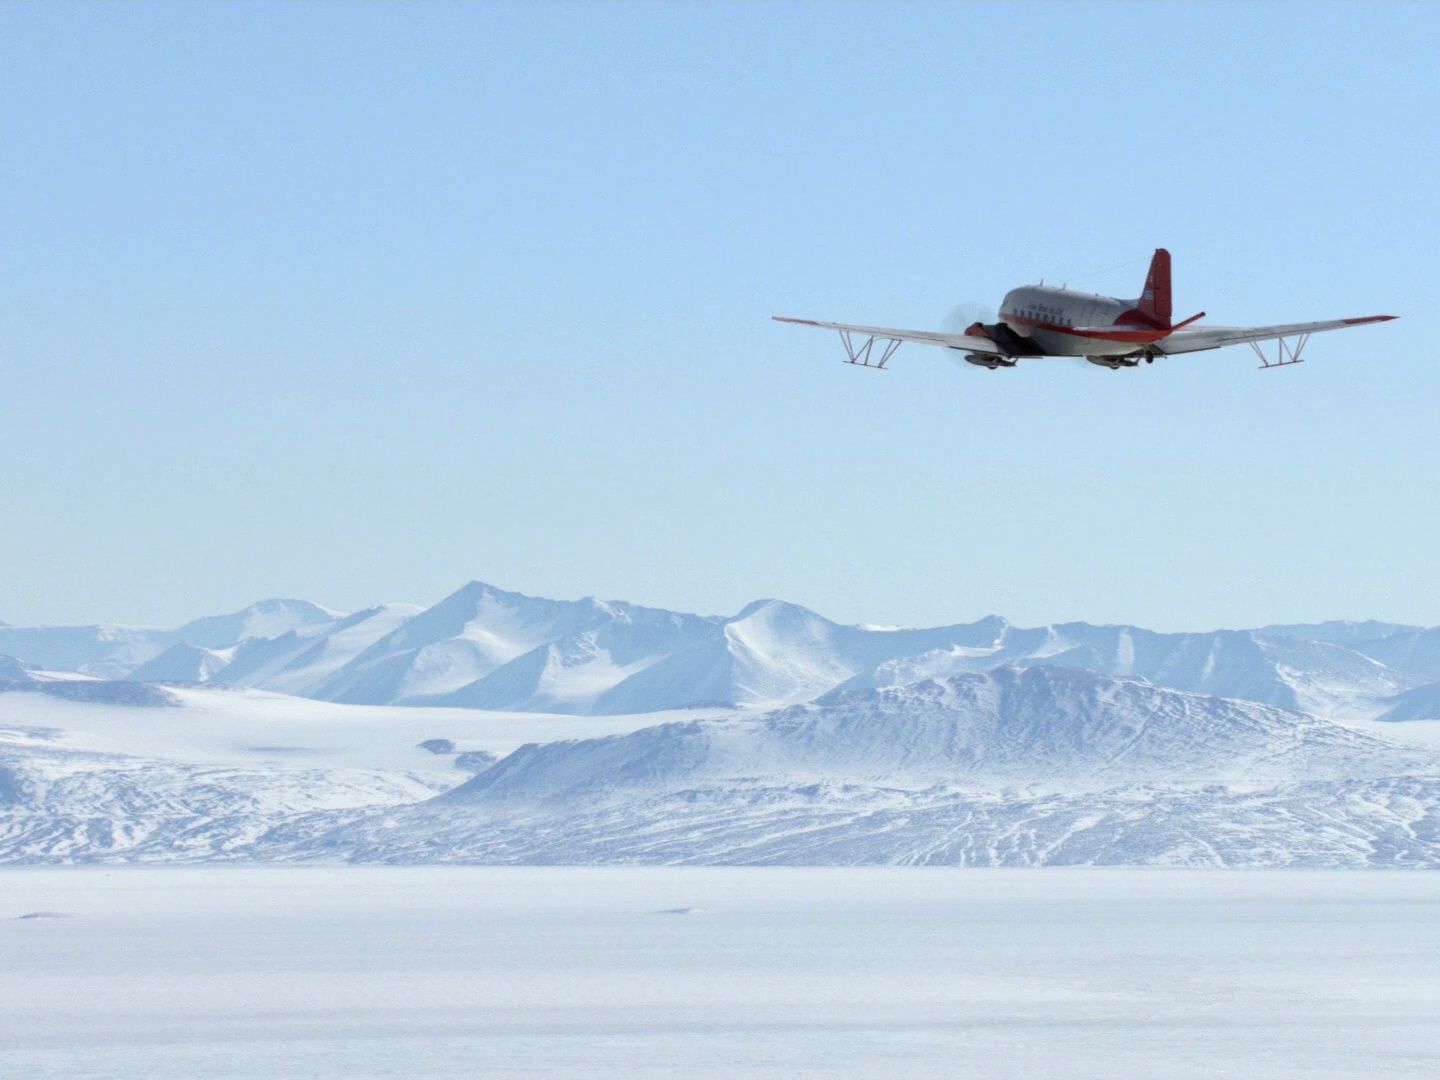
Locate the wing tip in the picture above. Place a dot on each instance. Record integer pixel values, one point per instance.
(1369, 319)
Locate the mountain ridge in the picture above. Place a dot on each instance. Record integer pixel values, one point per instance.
(484, 647)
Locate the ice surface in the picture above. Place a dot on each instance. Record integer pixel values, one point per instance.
(772, 973)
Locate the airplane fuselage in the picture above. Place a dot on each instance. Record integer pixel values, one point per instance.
(1063, 322)
(1037, 320)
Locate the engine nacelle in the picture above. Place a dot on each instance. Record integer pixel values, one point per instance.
(988, 360)
(1011, 343)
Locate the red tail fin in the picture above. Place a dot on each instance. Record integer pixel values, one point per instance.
(1154, 302)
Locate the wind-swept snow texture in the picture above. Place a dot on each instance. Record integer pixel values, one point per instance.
(1027, 767)
(719, 973)
(1020, 766)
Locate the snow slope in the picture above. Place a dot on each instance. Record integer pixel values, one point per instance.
(1020, 766)
(1280, 670)
(300, 660)
(266, 619)
(201, 773)
(1422, 703)
(1044, 727)
(103, 651)
(182, 663)
(482, 647)
(1415, 652)
(1383, 823)
(112, 652)
(487, 648)
(1034, 765)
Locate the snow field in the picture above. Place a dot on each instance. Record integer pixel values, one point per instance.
(718, 972)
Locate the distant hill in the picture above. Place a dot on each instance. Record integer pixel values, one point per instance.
(1016, 767)
(487, 648)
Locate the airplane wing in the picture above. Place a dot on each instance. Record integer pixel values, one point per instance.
(921, 337)
(1215, 337)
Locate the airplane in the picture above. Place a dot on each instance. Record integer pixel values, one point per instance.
(1041, 322)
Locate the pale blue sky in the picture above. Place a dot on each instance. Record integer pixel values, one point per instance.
(358, 302)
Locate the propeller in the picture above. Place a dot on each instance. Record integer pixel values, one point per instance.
(961, 317)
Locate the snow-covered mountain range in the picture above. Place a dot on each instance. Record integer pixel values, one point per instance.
(485, 648)
(495, 727)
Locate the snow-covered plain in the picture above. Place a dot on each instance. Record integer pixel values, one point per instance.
(250, 727)
(370, 972)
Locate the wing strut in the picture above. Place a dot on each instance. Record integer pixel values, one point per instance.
(1285, 353)
(861, 355)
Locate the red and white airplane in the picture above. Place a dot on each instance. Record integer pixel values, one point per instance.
(1041, 321)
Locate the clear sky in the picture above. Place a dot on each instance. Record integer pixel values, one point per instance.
(357, 302)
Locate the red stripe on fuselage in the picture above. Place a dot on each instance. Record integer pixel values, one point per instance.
(1131, 337)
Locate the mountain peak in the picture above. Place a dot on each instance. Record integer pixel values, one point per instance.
(770, 608)
(475, 591)
(274, 604)
(181, 663)
(268, 618)
(476, 587)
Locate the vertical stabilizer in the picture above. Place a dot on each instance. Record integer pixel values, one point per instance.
(1154, 302)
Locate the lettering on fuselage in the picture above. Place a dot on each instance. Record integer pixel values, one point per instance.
(1049, 317)
(1027, 307)
(1048, 312)
(1060, 307)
